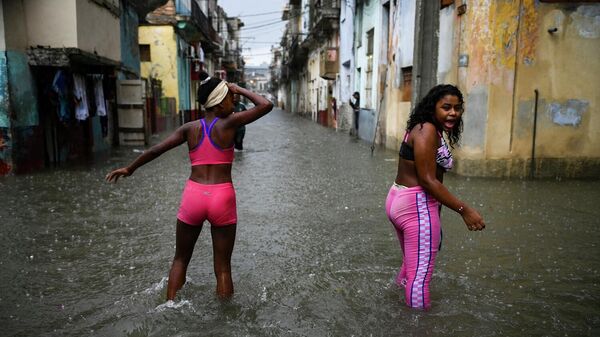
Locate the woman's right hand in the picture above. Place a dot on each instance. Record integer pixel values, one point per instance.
(234, 88)
(473, 219)
(114, 175)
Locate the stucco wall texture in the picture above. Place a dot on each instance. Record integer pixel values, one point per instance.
(515, 49)
(163, 54)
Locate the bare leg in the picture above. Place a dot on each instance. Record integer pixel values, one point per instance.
(223, 239)
(185, 241)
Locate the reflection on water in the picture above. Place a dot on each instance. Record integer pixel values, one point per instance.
(315, 254)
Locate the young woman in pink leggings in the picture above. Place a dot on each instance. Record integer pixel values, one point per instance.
(208, 194)
(414, 201)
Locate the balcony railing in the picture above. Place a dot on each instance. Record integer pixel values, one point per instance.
(327, 15)
(189, 11)
(202, 21)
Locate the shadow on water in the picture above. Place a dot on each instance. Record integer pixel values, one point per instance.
(315, 254)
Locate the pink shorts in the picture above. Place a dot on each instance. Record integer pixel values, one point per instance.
(215, 203)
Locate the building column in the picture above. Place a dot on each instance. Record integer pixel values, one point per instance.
(427, 26)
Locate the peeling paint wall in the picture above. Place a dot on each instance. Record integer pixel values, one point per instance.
(23, 108)
(19, 123)
(346, 77)
(5, 154)
(130, 51)
(515, 48)
(4, 98)
(183, 74)
(400, 54)
(163, 54)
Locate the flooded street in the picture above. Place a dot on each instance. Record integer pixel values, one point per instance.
(315, 254)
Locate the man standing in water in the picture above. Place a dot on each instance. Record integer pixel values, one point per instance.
(238, 140)
(355, 104)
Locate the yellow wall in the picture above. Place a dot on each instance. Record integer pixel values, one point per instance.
(512, 54)
(163, 53)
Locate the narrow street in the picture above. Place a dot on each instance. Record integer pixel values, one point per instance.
(315, 254)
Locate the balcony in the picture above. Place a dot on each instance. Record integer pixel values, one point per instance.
(329, 63)
(298, 54)
(326, 17)
(194, 25)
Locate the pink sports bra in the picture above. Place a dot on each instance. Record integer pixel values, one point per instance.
(207, 152)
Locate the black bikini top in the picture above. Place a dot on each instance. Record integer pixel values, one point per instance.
(443, 156)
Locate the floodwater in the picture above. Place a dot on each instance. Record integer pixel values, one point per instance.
(315, 254)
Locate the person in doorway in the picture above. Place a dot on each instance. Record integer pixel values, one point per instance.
(334, 111)
(241, 131)
(355, 104)
(209, 193)
(414, 201)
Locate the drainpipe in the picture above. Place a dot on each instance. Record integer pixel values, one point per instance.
(535, 112)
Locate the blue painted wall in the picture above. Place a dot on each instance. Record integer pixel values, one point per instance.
(22, 93)
(130, 51)
(5, 154)
(4, 98)
(183, 74)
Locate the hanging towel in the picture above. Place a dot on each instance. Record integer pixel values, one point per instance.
(81, 107)
(99, 95)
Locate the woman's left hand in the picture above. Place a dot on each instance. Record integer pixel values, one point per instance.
(473, 219)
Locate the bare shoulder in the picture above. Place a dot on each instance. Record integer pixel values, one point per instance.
(424, 130)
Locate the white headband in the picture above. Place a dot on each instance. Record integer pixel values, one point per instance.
(217, 95)
(205, 80)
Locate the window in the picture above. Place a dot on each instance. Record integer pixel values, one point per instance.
(145, 53)
(369, 72)
(358, 30)
(370, 34)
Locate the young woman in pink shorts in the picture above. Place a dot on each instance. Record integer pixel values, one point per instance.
(209, 193)
(414, 201)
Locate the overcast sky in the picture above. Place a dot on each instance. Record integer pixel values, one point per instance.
(262, 26)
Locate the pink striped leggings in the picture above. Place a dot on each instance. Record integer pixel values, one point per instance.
(416, 218)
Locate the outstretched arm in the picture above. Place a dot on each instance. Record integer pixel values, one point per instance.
(261, 108)
(175, 139)
(425, 142)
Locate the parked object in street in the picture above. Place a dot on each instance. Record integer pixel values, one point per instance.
(209, 193)
(414, 201)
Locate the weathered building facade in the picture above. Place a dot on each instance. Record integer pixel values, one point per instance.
(58, 79)
(310, 59)
(528, 70)
(71, 73)
(184, 37)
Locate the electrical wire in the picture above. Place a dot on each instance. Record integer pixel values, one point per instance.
(258, 14)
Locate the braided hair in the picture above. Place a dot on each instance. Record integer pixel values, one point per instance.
(425, 110)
